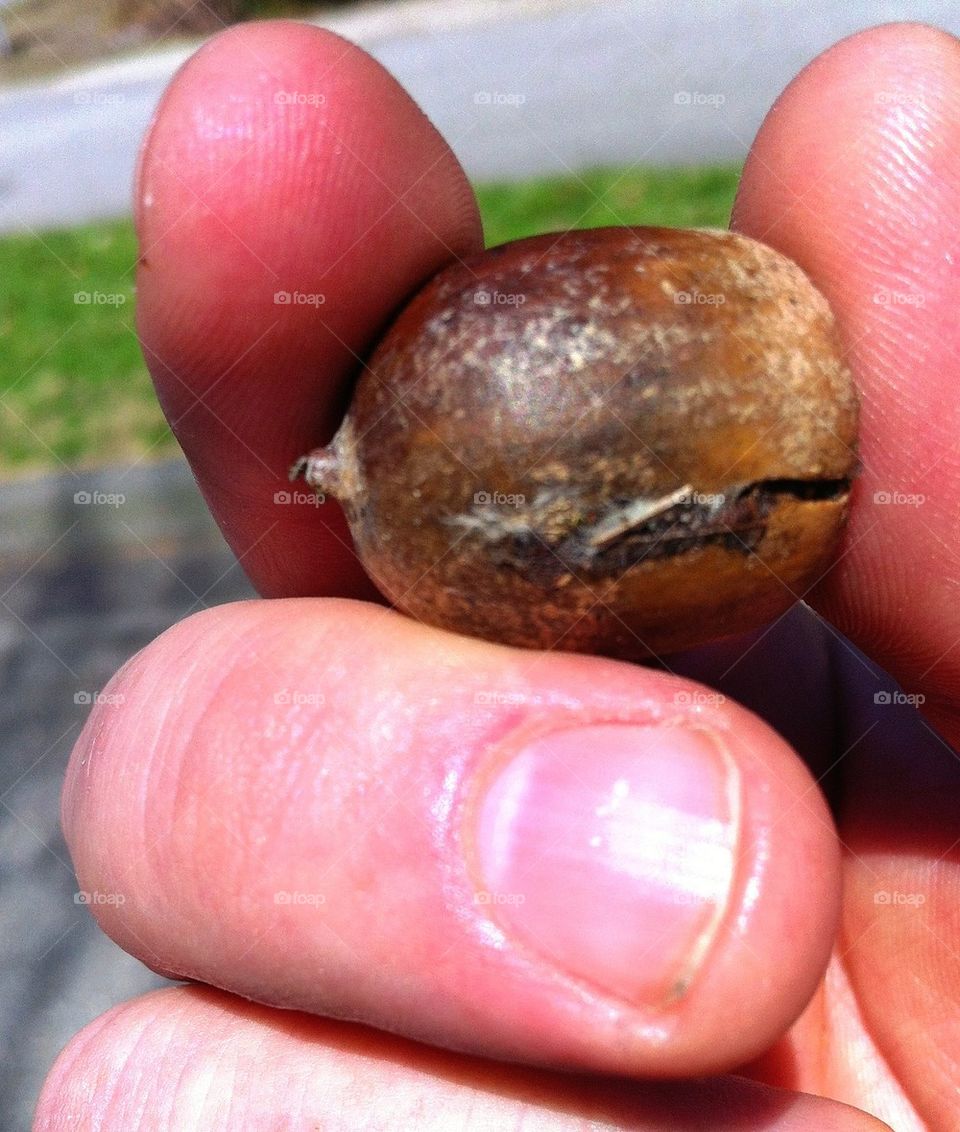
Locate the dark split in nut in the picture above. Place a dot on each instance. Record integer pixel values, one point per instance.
(625, 441)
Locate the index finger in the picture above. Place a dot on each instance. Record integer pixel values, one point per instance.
(290, 196)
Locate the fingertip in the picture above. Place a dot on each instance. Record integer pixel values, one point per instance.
(827, 163)
(855, 174)
(291, 195)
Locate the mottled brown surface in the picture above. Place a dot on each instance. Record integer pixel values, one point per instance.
(667, 411)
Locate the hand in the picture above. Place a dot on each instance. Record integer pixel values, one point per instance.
(321, 805)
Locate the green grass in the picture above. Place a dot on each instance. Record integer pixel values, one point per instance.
(677, 198)
(73, 387)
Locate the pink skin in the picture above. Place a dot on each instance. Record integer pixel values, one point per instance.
(856, 177)
(366, 799)
(358, 199)
(219, 782)
(195, 1058)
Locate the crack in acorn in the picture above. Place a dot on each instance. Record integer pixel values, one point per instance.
(604, 545)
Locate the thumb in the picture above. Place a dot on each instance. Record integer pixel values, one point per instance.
(533, 856)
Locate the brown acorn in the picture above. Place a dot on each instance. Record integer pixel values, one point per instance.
(624, 441)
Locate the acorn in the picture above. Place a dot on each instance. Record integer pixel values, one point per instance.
(622, 441)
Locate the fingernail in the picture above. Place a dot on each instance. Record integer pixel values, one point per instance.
(610, 850)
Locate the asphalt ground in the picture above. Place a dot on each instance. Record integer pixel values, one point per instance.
(92, 568)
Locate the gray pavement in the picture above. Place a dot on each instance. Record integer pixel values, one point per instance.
(518, 87)
(83, 586)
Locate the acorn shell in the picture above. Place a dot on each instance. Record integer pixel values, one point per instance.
(624, 441)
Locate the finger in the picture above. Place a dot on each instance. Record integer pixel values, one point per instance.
(283, 162)
(182, 1058)
(536, 856)
(856, 175)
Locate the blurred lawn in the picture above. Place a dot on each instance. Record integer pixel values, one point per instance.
(73, 387)
(677, 198)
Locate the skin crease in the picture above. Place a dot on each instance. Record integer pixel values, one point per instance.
(862, 191)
